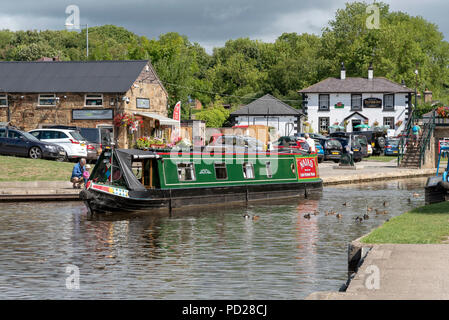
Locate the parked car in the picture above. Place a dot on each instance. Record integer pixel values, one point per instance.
(14, 142)
(97, 139)
(370, 150)
(312, 135)
(376, 139)
(392, 147)
(233, 143)
(319, 150)
(332, 149)
(361, 139)
(71, 140)
(291, 142)
(356, 148)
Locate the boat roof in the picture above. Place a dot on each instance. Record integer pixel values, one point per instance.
(139, 154)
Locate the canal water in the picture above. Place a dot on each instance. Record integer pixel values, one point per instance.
(211, 254)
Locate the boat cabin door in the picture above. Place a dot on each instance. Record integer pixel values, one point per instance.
(144, 171)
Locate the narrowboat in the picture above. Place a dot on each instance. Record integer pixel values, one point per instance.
(134, 179)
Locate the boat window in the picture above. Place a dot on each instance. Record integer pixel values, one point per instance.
(221, 172)
(269, 171)
(137, 169)
(248, 170)
(186, 172)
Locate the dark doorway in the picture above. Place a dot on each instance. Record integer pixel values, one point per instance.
(355, 123)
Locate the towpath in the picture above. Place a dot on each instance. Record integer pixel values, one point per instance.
(398, 272)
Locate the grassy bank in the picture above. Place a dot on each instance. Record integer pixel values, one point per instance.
(381, 158)
(427, 224)
(24, 169)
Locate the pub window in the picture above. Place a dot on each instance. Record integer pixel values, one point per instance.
(389, 102)
(356, 102)
(93, 100)
(3, 100)
(186, 172)
(389, 121)
(323, 123)
(323, 101)
(221, 173)
(47, 100)
(269, 171)
(248, 170)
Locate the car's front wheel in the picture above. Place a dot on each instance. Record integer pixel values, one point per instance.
(35, 153)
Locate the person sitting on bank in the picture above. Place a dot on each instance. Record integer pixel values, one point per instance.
(77, 174)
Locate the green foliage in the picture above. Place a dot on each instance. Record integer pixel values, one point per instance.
(245, 69)
(215, 115)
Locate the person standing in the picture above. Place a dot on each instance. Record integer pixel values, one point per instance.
(311, 143)
(77, 173)
(416, 130)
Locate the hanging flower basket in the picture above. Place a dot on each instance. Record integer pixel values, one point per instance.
(125, 119)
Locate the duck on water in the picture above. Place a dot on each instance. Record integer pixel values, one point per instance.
(133, 179)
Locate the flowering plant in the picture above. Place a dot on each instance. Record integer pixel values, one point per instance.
(376, 123)
(125, 119)
(443, 112)
(147, 142)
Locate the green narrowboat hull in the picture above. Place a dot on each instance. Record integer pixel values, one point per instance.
(193, 179)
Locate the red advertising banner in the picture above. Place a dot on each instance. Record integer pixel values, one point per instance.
(177, 111)
(306, 168)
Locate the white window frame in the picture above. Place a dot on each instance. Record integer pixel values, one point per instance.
(248, 170)
(97, 96)
(320, 102)
(48, 96)
(4, 96)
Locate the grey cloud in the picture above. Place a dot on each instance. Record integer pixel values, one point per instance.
(209, 22)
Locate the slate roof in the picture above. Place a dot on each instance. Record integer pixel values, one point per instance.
(69, 76)
(356, 85)
(267, 105)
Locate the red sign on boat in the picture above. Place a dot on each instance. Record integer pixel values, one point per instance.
(306, 168)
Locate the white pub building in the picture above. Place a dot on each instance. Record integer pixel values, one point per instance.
(353, 101)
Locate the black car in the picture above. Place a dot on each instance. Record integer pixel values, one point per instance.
(376, 139)
(361, 139)
(356, 148)
(332, 149)
(14, 142)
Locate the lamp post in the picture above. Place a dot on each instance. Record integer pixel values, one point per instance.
(72, 26)
(416, 86)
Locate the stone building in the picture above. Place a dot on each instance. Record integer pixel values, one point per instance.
(353, 101)
(83, 94)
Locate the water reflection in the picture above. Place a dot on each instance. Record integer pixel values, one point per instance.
(205, 254)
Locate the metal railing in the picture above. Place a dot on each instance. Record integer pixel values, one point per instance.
(405, 137)
(424, 141)
(426, 137)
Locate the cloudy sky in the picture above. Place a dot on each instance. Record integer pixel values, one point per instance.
(208, 22)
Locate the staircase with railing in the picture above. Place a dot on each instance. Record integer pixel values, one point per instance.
(411, 155)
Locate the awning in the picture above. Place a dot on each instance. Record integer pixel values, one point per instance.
(162, 120)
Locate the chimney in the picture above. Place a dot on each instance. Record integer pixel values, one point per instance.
(370, 71)
(343, 71)
(427, 96)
